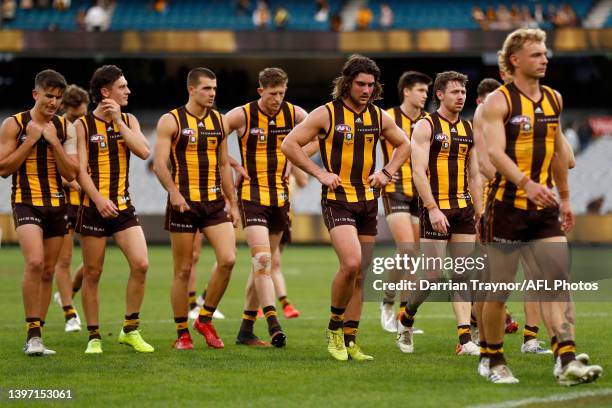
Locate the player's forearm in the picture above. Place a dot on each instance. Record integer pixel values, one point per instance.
(423, 188)
(400, 154)
(559, 174)
(311, 148)
(160, 169)
(227, 183)
(505, 166)
(88, 186)
(475, 185)
(486, 167)
(67, 166)
(13, 161)
(296, 155)
(135, 141)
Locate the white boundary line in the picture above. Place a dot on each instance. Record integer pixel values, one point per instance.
(545, 400)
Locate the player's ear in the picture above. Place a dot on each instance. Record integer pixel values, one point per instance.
(260, 91)
(35, 93)
(105, 92)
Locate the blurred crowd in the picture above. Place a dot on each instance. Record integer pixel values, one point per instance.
(509, 17)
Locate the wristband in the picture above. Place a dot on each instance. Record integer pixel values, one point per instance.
(386, 173)
(524, 182)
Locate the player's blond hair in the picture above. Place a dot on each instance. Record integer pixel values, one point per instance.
(514, 42)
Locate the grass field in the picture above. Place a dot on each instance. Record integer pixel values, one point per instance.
(302, 374)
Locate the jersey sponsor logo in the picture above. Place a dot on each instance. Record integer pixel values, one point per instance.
(96, 138)
(123, 199)
(215, 189)
(284, 195)
(523, 121)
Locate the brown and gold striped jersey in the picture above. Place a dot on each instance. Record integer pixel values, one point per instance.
(349, 150)
(194, 156)
(73, 196)
(404, 183)
(108, 160)
(262, 157)
(531, 128)
(449, 152)
(37, 182)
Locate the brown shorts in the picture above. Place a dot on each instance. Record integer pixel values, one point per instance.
(400, 203)
(71, 216)
(276, 219)
(505, 223)
(199, 216)
(91, 223)
(52, 220)
(461, 221)
(361, 215)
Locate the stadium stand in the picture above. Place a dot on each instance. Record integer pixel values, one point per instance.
(590, 179)
(221, 14)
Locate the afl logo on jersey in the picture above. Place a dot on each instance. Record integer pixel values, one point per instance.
(190, 134)
(441, 137)
(524, 122)
(259, 133)
(347, 130)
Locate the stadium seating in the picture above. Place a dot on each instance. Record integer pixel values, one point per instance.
(591, 177)
(221, 14)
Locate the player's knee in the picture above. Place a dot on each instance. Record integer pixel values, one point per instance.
(227, 261)
(183, 272)
(63, 264)
(262, 263)
(35, 265)
(351, 267)
(93, 276)
(276, 262)
(140, 266)
(47, 274)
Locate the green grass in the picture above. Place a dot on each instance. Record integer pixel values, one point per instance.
(302, 374)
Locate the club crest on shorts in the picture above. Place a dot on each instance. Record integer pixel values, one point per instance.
(347, 130)
(524, 122)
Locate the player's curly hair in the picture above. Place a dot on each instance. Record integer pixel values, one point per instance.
(514, 42)
(355, 65)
